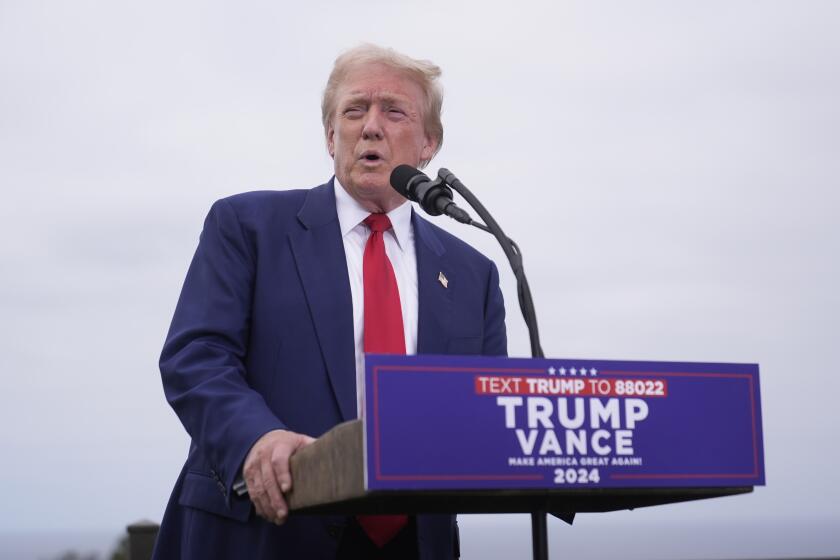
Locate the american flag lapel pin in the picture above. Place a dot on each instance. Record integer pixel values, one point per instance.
(442, 279)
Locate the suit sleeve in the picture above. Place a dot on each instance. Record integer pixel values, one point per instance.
(203, 360)
(495, 335)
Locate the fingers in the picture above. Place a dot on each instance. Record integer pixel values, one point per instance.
(265, 493)
(281, 455)
(281, 459)
(267, 473)
(256, 493)
(280, 466)
(273, 503)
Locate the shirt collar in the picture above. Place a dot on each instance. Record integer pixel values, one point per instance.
(351, 214)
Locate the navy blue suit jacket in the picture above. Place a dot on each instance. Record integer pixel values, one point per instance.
(262, 338)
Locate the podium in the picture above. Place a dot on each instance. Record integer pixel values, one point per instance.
(458, 434)
(328, 478)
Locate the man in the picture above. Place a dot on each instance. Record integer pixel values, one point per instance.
(286, 292)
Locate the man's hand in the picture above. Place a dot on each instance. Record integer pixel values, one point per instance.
(267, 475)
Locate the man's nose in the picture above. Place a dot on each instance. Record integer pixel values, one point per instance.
(373, 129)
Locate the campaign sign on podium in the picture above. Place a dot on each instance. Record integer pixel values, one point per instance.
(446, 422)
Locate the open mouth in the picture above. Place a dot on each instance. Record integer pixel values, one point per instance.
(371, 157)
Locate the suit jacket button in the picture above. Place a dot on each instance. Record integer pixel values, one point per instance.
(334, 531)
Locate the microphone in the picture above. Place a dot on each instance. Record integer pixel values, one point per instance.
(434, 197)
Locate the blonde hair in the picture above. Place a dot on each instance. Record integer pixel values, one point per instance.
(423, 72)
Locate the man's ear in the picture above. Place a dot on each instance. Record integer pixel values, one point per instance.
(429, 148)
(331, 141)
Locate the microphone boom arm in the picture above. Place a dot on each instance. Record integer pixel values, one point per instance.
(539, 523)
(512, 252)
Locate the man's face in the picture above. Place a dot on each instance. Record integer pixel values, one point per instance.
(377, 125)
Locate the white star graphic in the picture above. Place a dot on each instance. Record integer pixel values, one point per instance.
(583, 371)
(573, 371)
(562, 371)
(551, 371)
(593, 372)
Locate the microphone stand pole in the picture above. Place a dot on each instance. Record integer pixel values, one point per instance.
(539, 526)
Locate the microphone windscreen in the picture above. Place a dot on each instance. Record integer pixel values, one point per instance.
(401, 176)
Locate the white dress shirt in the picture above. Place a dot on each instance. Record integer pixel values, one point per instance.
(399, 246)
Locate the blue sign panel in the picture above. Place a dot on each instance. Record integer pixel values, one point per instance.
(455, 422)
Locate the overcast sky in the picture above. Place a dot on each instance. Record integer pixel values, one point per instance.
(670, 170)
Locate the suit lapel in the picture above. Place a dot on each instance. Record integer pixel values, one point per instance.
(319, 254)
(434, 299)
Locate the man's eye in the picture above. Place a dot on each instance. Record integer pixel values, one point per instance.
(353, 112)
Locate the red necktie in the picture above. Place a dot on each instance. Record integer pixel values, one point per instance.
(384, 334)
